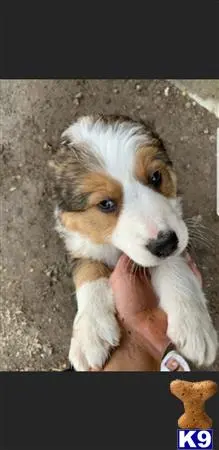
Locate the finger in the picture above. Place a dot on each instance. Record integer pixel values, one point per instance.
(123, 264)
(122, 269)
(172, 364)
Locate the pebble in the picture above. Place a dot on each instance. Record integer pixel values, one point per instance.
(212, 138)
(194, 103)
(47, 350)
(206, 131)
(79, 95)
(187, 105)
(138, 107)
(31, 269)
(116, 90)
(48, 272)
(76, 102)
(54, 278)
(138, 87)
(166, 91)
(12, 189)
(17, 177)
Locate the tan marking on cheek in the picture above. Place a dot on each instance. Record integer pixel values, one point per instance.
(87, 270)
(147, 162)
(93, 223)
(69, 220)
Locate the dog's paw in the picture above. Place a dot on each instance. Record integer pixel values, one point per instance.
(92, 340)
(195, 338)
(95, 329)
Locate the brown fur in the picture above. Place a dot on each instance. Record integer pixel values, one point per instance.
(151, 159)
(91, 222)
(100, 186)
(86, 270)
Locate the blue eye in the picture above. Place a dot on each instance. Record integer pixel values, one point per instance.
(107, 205)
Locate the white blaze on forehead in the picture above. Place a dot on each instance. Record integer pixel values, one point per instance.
(115, 143)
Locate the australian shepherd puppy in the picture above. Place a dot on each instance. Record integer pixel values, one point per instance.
(116, 192)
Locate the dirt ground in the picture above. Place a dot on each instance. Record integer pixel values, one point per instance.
(36, 304)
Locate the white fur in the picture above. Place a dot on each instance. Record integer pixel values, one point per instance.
(143, 215)
(113, 144)
(189, 324)
(95, 328)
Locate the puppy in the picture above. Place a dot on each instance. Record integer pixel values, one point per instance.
(115, 191)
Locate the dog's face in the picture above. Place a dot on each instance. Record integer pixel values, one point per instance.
(115, 185)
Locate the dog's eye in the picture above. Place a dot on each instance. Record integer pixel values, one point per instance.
(155, 179)
(107, 205)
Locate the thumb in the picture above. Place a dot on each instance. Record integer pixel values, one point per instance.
(123, 264)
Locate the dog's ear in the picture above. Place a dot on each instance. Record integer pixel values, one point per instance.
(64, 162)
(68, 169)
(64, 177)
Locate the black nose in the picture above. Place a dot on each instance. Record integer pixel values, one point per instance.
(165, 244)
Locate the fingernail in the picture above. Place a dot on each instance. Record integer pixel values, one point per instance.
(172, 364)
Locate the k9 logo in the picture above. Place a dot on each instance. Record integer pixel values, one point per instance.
(195, 439)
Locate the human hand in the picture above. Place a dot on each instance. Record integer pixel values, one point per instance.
(144, 324)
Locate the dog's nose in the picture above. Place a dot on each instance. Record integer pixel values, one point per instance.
(165, 244)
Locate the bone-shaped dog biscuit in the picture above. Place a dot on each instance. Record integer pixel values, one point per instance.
(194, 396)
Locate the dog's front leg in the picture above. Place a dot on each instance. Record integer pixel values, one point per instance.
(189, 324)
(95, 328)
